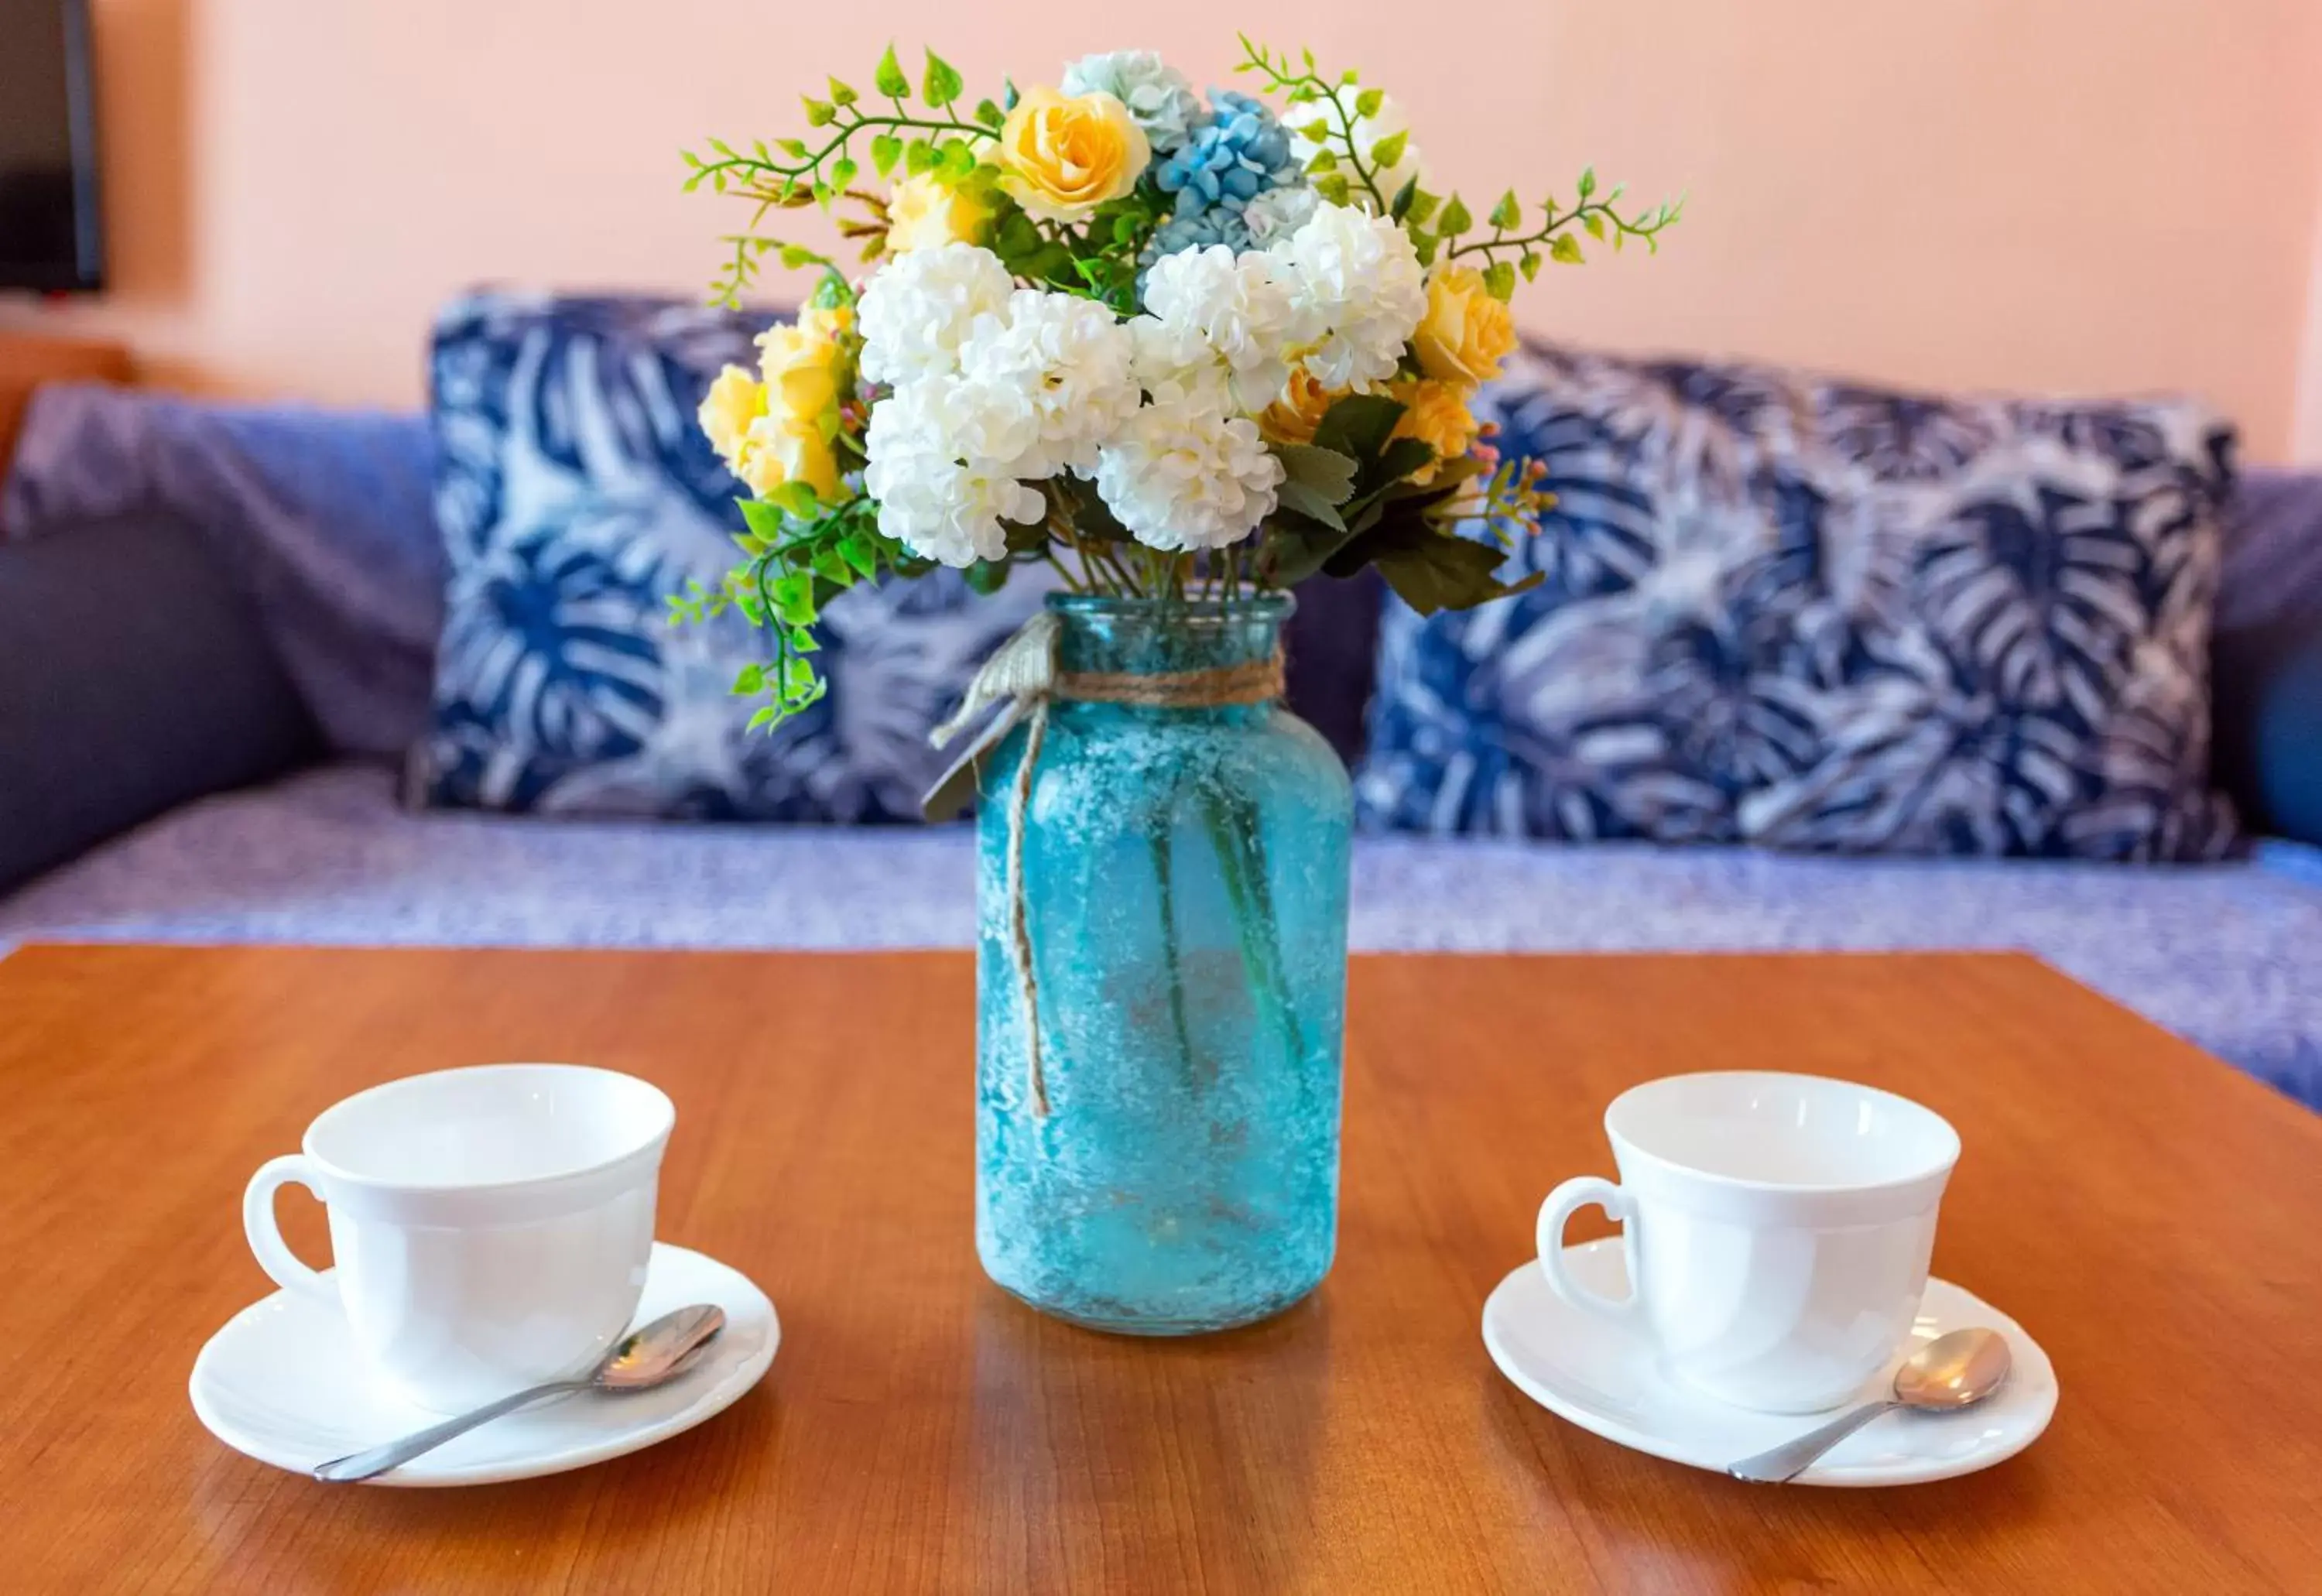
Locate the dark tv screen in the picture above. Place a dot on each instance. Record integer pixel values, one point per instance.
(48, 236)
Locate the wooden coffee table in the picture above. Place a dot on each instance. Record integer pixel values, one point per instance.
(2153, 1217)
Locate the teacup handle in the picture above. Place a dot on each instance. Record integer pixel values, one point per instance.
(1562, 1203)
(274, 1254)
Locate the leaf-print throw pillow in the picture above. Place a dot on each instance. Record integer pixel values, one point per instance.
(1818, 617)
(575, 492)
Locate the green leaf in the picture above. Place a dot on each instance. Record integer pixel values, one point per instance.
(752, 680)
(1595, 225)
(793, 148)
(1566, 249)
(886, 150)
(918, 156)
(765, 717)
(1429, 569)
(1358, 425)
(987, 575)
(943, 82)
(889, 80)
(1399, 206)
(1508, 212)
(1368, 103)
(1454, 219)
(1423, 204)
(1500, 280)
(795, 256)
(841, 93)
(842, 172)
(1306, 502)
(989, 114)
(1401, 458)
(764, 520)
(1388, 152)
(955, 160)
(798, 681)
(792, 594)
(1527, 263)
(1587, 181)
(859, 553)
(1334, 188)
(1296, 547)
(1325, 472)
(1325, 161)
(818, 113)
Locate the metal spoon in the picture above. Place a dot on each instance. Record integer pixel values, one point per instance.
(652, 1357)
(1950, 1372)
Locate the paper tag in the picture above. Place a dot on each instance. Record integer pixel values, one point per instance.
(958, 785)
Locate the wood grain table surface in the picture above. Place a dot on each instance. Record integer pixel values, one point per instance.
(2154, 1218)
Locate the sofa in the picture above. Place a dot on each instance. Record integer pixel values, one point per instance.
(217, 627)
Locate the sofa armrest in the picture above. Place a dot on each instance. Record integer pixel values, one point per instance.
(133, 679)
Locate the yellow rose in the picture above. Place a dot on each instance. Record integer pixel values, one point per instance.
(922, 213)
(788, 449)
(1465, 333)
(734, 401)
(1437, 414)
(1061, 157)
(1292, 417)
(799, 364)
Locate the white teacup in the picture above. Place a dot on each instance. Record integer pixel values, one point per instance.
(1777, 1229)
(490, 1226)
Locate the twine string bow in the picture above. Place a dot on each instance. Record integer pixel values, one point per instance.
(1023, 676)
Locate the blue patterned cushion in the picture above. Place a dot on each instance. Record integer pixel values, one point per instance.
(575, 492)
(1824, 617)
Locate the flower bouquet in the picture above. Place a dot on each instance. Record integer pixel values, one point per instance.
(1176, 354)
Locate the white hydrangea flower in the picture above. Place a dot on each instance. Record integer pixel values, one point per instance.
(1242, 306)
(944, 453)
(1073, 361)
(1187, 473)
(921, 305)
(1160, 98)
(1278, 212)
(1359, 279)
(1168, 354)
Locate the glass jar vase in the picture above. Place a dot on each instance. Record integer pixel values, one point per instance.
(1161, 977)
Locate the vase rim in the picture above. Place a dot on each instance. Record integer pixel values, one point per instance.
(1198, 612)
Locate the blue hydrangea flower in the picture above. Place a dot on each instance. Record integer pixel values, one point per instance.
(1239, 151)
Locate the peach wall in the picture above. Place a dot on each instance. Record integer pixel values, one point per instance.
(2046, 193)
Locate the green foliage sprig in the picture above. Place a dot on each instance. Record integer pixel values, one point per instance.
(792, 173)
(1343, 174)
(1510, 249)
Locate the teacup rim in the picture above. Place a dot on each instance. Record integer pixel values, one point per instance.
(1939, 1170)
(665, 1112)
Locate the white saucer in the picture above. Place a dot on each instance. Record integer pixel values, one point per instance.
(283, 1382)
(1604, 1377)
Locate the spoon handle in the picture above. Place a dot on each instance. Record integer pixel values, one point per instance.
(1792, 1458)
(362, 1466)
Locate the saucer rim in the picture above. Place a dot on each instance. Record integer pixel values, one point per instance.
(421, 1473)
(2035, 1419)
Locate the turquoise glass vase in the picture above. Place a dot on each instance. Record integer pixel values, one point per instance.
(1161, 1158)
